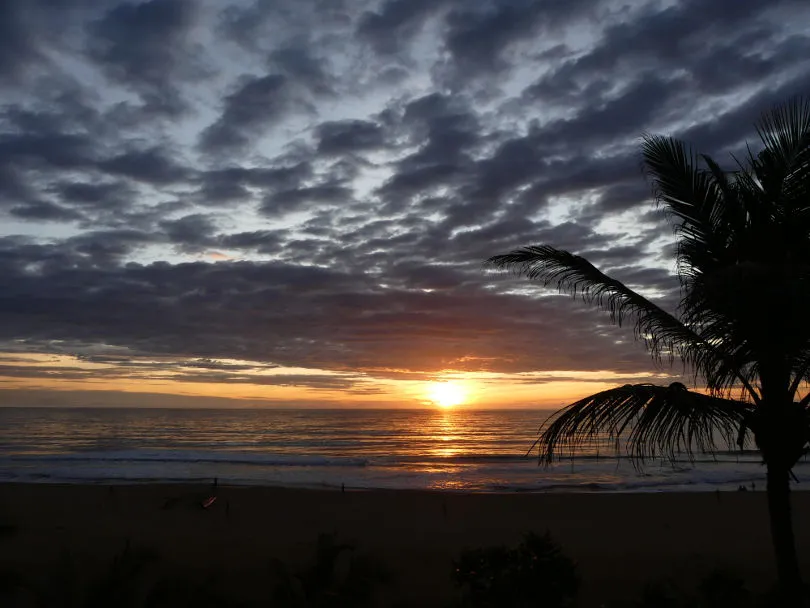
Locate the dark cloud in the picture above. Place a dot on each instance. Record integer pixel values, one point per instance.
(728, 132)
(359, 158)
(13, 188)
(283, 186)
(680, 39)
(395, 23)
(311, 72)
(17, 49)
(478, 35)
(261, 241)
(289, 200)
(60, 151)
(637, 106)
(482, 38)
(148, 46)
(257, 104)
(223, 186)
(257, 24)
(152, 166)
(107, 248)
(45, 211)
(190, 233)
(349, 136)
(445, 131)
(163, 371)
(288, 315)
(97, 196)
(27, 27)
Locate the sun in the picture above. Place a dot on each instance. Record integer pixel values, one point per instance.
(446, 394)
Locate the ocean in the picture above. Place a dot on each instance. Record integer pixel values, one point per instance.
(449, 450)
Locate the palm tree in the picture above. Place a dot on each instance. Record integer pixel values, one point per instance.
(742, 324)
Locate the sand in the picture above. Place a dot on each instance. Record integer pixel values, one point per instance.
(619, 540)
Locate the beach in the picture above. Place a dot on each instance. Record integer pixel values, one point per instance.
(620, 541)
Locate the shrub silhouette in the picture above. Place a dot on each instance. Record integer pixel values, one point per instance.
(177, 592)
(718, 589)
(336, 578)
(60, 585)
(535, 573)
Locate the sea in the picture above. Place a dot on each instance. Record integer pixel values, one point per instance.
(454, 450)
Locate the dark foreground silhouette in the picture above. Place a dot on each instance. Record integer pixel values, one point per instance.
(536, 572)
(741, 325)
(65, 537)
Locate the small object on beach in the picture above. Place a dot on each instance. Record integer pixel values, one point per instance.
(208, 502)
(742, 488)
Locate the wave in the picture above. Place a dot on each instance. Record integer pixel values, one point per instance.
(630, 485)
(276, 460)
(327, 460)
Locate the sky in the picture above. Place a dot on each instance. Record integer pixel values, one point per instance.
(278, 203)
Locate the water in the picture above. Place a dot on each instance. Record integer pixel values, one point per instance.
(477, 451)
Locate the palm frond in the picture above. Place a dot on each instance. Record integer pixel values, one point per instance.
(644, 421)
(692, 196)
(801, 374)
(729, 215)
(574, 274)
(783, 166)
(785, 129)
(661, 332)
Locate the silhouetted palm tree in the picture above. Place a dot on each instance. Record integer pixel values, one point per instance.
(742, 325)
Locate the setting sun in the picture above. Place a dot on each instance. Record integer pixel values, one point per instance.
(447, 394)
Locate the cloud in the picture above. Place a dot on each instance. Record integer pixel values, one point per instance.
(298, 62)
(151, 166)
(148, 46)
(292, 316)
(19, 48)
(395, 23)
(351, 163)
(289, 200)
(44, 211)
(348, 136)
(191, 233)
(257, 104)
(97, 196)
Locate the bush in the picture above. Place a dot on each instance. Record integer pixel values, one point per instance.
(536, 573)
(718, 589)
(336, 578)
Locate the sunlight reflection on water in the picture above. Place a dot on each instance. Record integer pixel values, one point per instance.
(420, 449)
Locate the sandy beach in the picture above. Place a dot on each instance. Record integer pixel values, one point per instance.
(620, 541)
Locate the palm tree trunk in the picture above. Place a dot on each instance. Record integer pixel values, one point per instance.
(787, 563)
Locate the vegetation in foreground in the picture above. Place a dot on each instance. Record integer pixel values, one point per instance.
(741, 326)
(337, 576)
(536, 573)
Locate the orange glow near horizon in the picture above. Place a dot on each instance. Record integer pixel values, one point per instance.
(54, 380)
